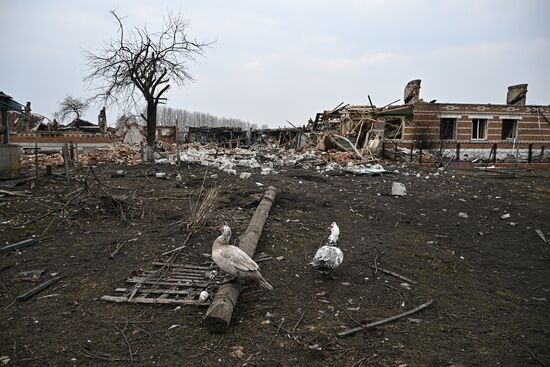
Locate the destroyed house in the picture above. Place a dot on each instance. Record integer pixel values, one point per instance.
(466, 131)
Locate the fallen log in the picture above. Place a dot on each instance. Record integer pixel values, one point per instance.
(220, 311)
(387, 320)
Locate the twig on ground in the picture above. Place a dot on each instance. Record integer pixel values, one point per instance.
(299, 320)
(216, 352)
(533, 355)
(118, 248)
(386, 320)
(347, 313)
(102, 357)
(395, 289)
(378, 253)
(126, 341)
(394, 274)
(277, 332)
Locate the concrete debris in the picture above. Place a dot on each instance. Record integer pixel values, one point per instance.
(463, 215)
(161, 175)
(505, 216)
(231, 161)
(119, 174)
(245, 175)
(361, 169)
(398, 189)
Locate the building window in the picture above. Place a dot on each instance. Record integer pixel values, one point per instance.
(509, 128)
(479, 129)
(447, 128)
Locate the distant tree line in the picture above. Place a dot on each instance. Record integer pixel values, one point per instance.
(168, 116)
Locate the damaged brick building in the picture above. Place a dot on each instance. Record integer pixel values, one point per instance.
(469, 131)
(513, 131)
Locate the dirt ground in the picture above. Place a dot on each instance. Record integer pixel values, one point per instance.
(489, 277)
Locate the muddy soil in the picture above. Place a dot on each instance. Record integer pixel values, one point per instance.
(489, 277)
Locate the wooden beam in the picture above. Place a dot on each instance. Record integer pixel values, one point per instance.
(18, 245)
(31, 292)
(219, 314)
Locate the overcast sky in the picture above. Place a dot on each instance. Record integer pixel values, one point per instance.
(286, 60)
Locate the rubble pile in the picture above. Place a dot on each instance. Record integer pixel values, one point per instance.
(118, 153)
(231, 161)
(28, 159)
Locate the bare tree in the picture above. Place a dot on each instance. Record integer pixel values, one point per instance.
(141, 65)
(70, 106)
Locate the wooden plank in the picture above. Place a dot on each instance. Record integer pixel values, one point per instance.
(178, 284)
(176, 273)
(154, 301)
(170, 265)
(18, 245)
(31, 292)
(187, 292)
(173, 278)
(186, 274)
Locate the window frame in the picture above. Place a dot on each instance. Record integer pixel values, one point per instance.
(455, 124)
(515, 129)
(485, 130)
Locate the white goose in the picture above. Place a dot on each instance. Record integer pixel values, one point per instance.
(234, 261)
(329, 257)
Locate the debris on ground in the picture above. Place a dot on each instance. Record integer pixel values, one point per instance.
(398, 189)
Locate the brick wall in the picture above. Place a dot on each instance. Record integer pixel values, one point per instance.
(533, 123)
(59, 138)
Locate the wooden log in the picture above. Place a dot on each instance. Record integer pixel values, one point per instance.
(220, 311)
(31, 292)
